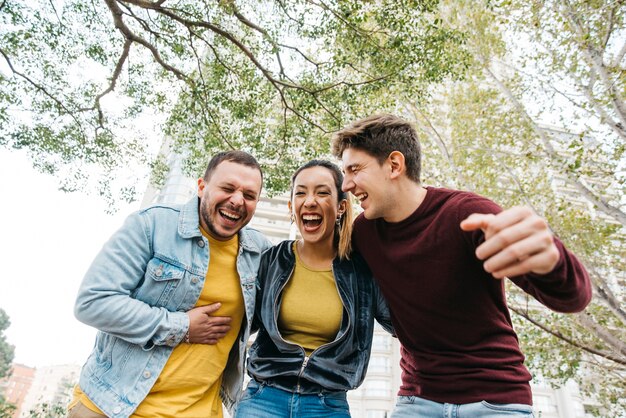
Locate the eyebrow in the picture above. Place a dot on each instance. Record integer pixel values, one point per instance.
(232, 185)
(301, 186)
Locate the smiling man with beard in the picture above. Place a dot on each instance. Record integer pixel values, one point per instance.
(172, 296)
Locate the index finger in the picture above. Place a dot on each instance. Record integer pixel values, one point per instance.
(510, 217)
(476, 221)
(219, 320)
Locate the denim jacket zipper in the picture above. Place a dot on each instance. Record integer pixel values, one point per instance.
(307, 358)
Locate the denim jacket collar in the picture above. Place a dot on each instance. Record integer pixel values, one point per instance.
(189, 226)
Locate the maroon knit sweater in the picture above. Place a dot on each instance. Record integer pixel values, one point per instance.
(458, 343)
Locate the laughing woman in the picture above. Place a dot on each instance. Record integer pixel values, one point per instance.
(316, 306)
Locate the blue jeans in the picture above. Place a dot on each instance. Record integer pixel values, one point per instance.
(260, 400)
(413, 406)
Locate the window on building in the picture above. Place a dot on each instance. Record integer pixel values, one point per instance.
(544, 404)
(379, 364)
(377, 413)
(378, 388)
(381, 342)
(579, 409)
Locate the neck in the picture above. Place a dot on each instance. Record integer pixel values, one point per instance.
(409, 197)
(316, 254)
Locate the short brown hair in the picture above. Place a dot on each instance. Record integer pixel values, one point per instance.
(379, 135)
(233, 156)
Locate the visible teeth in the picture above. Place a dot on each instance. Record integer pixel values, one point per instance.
(230, 215)
(361, 196)
(311, 217)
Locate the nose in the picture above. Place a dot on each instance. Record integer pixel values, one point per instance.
(237, 198)
(309, 200)
(347, 185)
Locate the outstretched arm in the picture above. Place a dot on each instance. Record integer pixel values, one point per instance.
(519, 244)
(517, 241)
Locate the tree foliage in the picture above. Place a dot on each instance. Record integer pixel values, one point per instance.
(6, 362)
(6, 350)
(7, 409)
(269, 76)
(539, 120)
(47, 410)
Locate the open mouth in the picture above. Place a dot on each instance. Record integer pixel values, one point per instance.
(361, 197)
(231, 217)
(311, 222)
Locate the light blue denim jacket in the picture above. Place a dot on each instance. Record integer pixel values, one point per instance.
(137, 292)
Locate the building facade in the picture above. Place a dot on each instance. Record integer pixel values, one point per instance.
(53, 386)
(17, 385)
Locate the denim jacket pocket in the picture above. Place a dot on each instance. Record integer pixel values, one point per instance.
(160, 282)
(111, 354)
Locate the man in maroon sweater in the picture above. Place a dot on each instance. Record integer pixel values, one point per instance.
(438, 255)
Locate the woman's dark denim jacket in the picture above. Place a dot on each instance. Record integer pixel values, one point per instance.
(336, 366)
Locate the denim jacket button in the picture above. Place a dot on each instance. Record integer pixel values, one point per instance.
(147, 374)
(194, 280)
(117, 410)
(200, 243)
(159, 272)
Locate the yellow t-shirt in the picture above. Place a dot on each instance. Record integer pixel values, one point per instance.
(311, 309)
(189, 384)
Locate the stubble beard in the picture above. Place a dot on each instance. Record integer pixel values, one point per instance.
(205, 213)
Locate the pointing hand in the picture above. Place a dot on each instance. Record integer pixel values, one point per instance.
(517, 241)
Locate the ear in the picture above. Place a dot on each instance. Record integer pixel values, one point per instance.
(397, 163)
(342, 207)
(289, 207)
(201, 185)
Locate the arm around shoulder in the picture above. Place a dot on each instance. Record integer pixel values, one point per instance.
(383, 315)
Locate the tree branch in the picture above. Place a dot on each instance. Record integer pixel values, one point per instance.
(551, 86)
(598, 200)
(609, 31)
(591, 196)
(596, 64)
(43, 90)
(259, 29)
(604, 293)
(277, 83)
(269, 39)
(602, 333)
(619, 56)
(604, 116)
(128, 34)
(206, 111)
(114, 77)
(441, 144)
(570, 341)
(54, 9)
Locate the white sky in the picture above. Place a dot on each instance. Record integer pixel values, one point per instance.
(48, 238)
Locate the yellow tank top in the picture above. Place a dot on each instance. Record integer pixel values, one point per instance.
(189, 385)
(311, 309)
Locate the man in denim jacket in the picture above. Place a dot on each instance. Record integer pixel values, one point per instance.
(172, 295)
